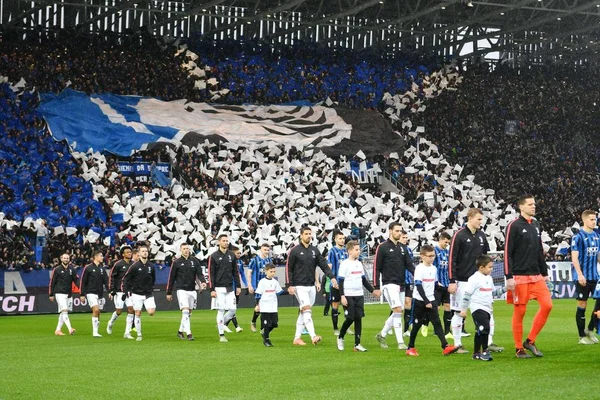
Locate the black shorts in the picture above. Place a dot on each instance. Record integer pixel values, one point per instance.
(355, 307)
(582, 293)
(334, 295)
(422, 313)
(408, 291)
(442, 297)
(481, 319)
(269, 320)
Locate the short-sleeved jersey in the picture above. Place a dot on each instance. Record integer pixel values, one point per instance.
(587, 245)
(352, 273)
(257, 267)
(480, 292)
(335, 256)
(441, 263)
(409, 277)
(268, 289)
(426, 276)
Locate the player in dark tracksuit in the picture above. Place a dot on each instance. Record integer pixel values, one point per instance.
(223, 274)
(302, 281)
(185, 271)
(93, 280)
(526, 274)
(467, 243)
(61, 283)
(138, 283)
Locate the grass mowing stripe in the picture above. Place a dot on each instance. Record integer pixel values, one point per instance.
(38, 365)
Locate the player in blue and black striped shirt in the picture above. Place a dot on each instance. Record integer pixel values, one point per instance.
(256, 272)
(408, 291)
(240, 264)
(442, 297)
(335, 256)
(584, 255)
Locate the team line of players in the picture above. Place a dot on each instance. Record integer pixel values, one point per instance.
(454, 274)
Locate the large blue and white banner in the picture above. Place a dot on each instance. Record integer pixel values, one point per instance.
(124, 124)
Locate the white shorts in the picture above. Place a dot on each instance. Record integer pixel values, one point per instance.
(456, 298)
(138, 301)
(306, 295)
(394, 296)
(224, 301)
(92, 300)
(64, 302)
(187, 299)
(120, 303)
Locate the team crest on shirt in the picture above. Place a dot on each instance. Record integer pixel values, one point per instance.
(313, 254)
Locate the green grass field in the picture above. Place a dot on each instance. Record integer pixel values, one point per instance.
(38, 365)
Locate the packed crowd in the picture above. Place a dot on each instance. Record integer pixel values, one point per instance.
(265, 192)
(550, 153)
(255, 72)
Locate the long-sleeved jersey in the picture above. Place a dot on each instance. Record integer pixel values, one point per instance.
(523, 251)
(223, 270)
(61, 280)
(93, 280)
(301, 265)
(391, 261)
(479, 293)
(464, 249)
(184, 272)
(117, 273)
(257, 267)
(140, 278)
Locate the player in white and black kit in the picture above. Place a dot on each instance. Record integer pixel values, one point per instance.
(138, 283)
(223, 274)
(351, 279)
(424, 302)
(302, 279)
(61, 287)
(467, 243)
(267, 291)
(392, 260)
(93, 280)
(115, 284)
(478, 296)
(185, 272)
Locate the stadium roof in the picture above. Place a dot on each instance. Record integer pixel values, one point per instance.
(536, 29)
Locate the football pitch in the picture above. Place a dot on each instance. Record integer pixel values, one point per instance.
(38, 365)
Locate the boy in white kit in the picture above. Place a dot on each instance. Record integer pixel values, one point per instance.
(479, 297)
(266, 302)
(351, 279)
(424, 302)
